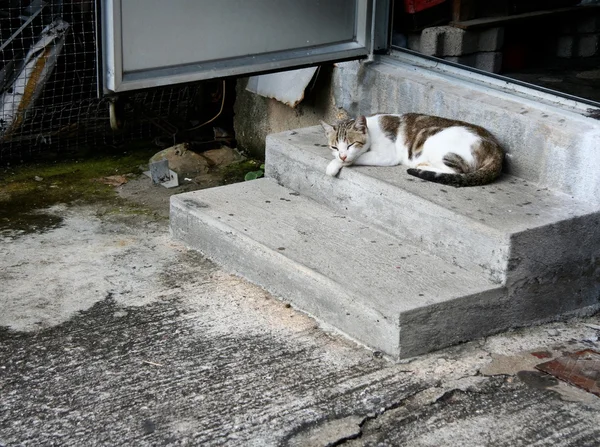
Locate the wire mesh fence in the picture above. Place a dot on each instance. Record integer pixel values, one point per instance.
(48, 84)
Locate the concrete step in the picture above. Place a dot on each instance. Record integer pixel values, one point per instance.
(513, 231)
(383, 291)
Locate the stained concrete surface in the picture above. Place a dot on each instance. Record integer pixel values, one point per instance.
(113, 334)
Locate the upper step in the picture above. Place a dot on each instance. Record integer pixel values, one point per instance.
(483, 226)
(385, 292)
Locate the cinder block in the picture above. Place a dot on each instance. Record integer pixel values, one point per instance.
(456, 42)
(491, 39)
(431, 41)
(444, 41)
(489, 61)
(447, 41)
(587, 45)
(565, 46)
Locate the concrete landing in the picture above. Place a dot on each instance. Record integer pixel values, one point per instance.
(378, 289)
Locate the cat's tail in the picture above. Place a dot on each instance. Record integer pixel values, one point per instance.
(485, 174)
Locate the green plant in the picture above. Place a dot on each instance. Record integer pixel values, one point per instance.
(253, 175)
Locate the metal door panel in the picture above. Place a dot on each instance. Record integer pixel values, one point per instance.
(149, 43)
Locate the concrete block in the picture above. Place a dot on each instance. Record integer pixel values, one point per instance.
(587, 45)
(432, 41)
(491, 39)
(456, 42)
(450, 41)
(489, 61)
(582, 45)
(565, 46)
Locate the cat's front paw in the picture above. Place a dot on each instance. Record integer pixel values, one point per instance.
(333, 168)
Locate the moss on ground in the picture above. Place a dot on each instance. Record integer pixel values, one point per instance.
(236, 172)
(26, 189)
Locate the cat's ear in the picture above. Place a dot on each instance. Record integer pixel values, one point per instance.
(360, 124)
(326, 127)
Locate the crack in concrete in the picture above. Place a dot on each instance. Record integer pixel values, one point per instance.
(374, 416)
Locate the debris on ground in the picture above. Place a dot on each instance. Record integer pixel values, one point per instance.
(161, 174)
(113, 180)
(581, 368)
(222, 157)
(184, 162)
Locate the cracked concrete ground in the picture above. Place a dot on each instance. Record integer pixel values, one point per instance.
(113, 334)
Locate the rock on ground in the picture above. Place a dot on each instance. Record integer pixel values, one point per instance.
(187, 163)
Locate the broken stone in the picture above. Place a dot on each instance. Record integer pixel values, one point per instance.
(329, 432)
(184, 162)
(222, 157)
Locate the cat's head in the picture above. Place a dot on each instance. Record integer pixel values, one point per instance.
(348, 139)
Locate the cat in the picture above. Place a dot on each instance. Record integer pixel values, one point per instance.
(433, 148)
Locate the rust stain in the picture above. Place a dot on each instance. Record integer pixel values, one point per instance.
(581, 368)
(542, 354)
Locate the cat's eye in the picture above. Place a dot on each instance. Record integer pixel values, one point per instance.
(334, 148)
(351, 144)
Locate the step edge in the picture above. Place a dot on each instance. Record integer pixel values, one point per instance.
(320, 279)
(179, 201)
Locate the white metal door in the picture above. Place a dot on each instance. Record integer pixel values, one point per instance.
(149, 43)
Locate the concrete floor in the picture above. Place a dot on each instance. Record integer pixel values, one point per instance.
(113, 334)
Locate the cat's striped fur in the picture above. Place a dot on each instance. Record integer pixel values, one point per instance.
(433, 148)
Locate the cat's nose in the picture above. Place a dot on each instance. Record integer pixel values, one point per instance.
(343, 157)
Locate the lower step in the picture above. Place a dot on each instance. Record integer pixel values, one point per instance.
(381, 291)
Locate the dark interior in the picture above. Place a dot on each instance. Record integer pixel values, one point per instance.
(549, 43)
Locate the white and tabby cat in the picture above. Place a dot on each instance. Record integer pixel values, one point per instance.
(433, 148)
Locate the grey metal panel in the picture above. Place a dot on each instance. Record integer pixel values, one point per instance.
(181, 32)
(153, 42)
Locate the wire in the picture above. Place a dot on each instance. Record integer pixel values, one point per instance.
(214, 117)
